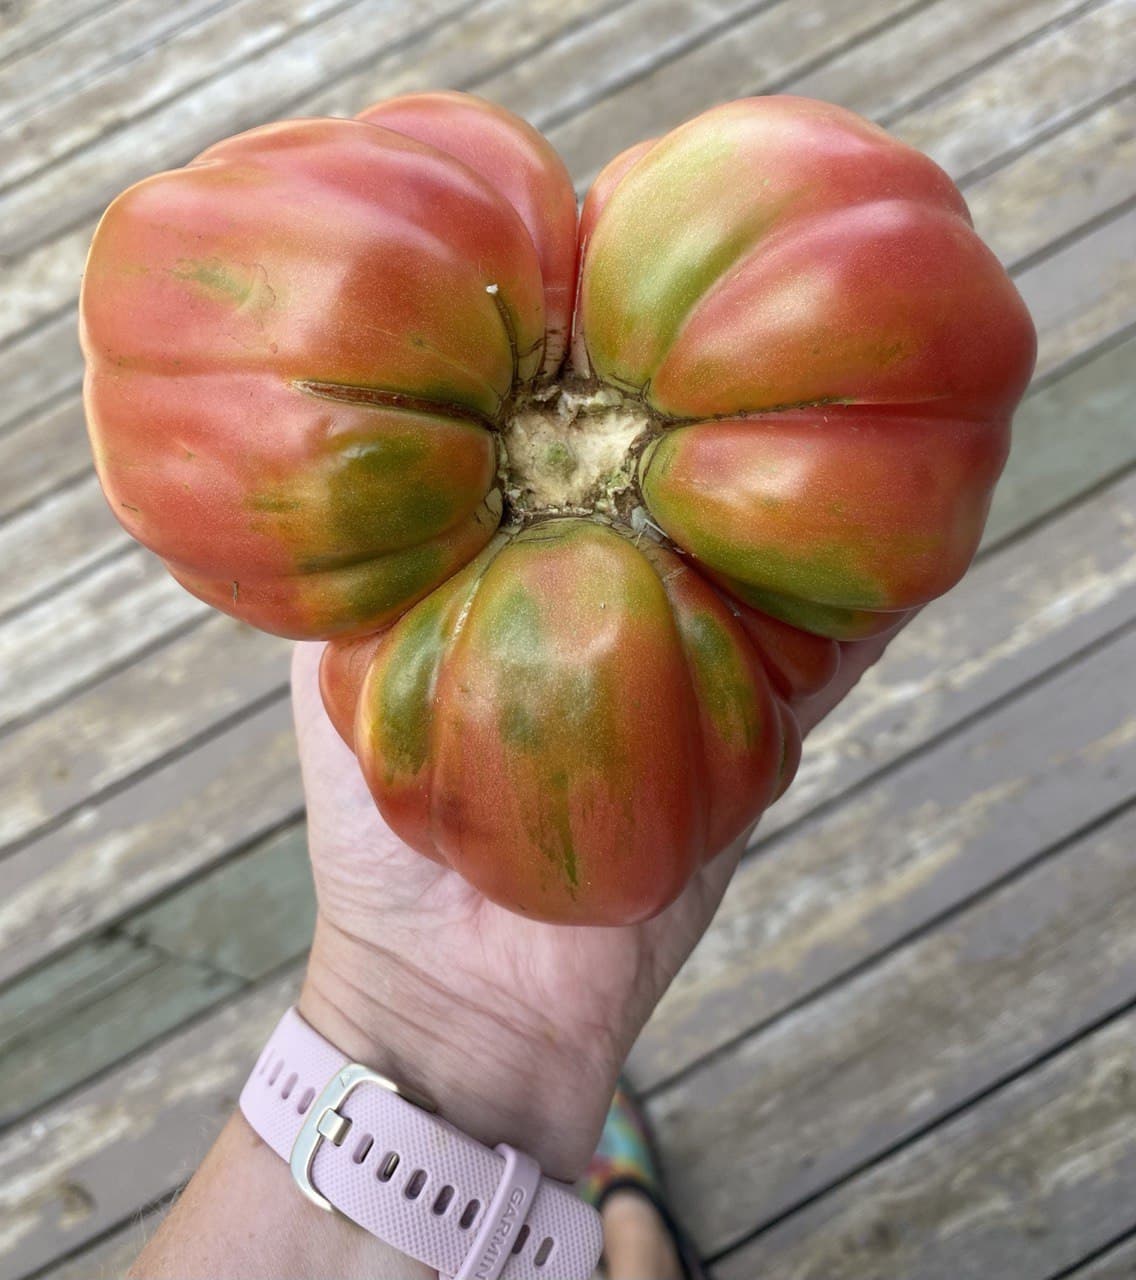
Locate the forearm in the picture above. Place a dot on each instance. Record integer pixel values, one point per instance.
(242, 1215)
(242, 1218)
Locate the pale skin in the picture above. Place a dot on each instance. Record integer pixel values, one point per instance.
(517, 1030)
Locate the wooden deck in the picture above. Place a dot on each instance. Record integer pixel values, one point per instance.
(909, 1040)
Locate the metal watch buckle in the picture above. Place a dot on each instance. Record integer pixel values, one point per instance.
(324, 1121)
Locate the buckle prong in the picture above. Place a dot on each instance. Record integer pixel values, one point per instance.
(324, 1122)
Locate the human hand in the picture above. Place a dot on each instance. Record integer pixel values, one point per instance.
(517, 1029)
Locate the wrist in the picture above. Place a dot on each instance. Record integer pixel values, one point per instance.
(489, 1072)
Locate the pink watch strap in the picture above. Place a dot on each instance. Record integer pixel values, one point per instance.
(409, 1177)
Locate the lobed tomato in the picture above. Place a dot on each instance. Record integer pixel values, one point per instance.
(584, 506)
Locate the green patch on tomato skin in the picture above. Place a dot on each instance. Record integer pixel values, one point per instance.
(519, 727)
(405, 710)
(513, 628)
(373, 590)
(820, 619)
(724, 683)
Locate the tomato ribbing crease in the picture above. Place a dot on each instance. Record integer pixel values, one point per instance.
(585, 503)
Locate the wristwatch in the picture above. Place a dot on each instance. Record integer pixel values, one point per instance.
(376, 1152)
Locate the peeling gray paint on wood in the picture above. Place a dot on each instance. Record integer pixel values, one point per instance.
(1118, 1263)
(1026, 1182)
(799, 1105)
(131, 1137)
(111, 857)
(97, 738)
(106, 999)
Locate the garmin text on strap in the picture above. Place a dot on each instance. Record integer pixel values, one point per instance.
(361, 1144)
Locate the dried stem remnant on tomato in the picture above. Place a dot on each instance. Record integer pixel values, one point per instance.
(572, 448)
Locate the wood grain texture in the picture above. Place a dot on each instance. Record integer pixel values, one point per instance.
(100, 737)
(1023, 1184)
(112, 1255)
(41, 455)
(103, 1004)
(43, 281)
(839, 1081)
(257, 42)
(116, 854)
(110, 615)
(55, 540)
(42, 364)
(130, 1138)
(110, 997)
(842, 885)
(1067, 438)
(28, 24)
(246, 918)
(1056, 187)
(764, 55)
(1011, 102)
(1117, 1263)
(115, 36)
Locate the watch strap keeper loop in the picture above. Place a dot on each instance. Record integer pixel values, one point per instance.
(504, 1217)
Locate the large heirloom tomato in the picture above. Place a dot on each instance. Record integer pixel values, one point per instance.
(584, 506)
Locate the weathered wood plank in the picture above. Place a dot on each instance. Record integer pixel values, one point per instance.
(43, 364)
(112, 1255)
(1083, 294)
(753, 59)
(112, 856)
(778, 934)
(470, 53)
(51, 765)
(926, 49)
(1067, 438)
(1117, 1263)
(103, 1005)
(1060, 184)
(42, 455)
(796, 1107)
(106, 999)
(247, 917)
(29, 23)
(769, 48)
(69, 639)
(254, 36)
(1006, 105)
(265, 84)
(116, 35)
(1024, 1183)
(65, 533)
(628, 44)
(132, 1137)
